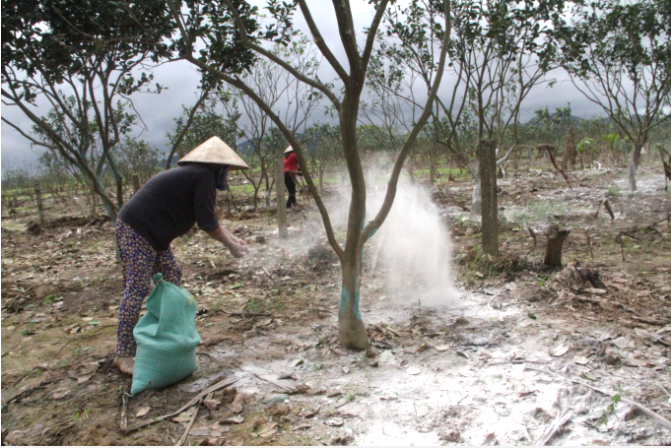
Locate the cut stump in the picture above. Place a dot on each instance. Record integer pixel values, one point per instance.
(553, 251)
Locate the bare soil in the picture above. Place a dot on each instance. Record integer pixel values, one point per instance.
(519, 359)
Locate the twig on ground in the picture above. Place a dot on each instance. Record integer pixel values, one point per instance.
(31, 389)
(649, 320)
(47, 366)
(62, 348)
(641, 407)
(10, 303)
(226, 382)
(285, 385)
(664, 389)
(556, 426)
(124, 408)
(188, 427)
(244, 314)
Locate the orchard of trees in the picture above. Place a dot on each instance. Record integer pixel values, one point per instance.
(428, 85)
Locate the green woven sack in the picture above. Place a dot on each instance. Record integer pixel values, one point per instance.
(166, 338)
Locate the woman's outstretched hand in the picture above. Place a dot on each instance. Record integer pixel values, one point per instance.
(238, 248)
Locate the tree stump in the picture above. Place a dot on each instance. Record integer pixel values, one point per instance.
(556, 238)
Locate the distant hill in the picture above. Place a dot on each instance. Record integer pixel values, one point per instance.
(573, 120)
(536, 120)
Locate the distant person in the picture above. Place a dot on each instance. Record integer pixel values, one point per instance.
(166, 207)
(291, 170)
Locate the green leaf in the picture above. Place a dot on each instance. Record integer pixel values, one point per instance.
(587, 376)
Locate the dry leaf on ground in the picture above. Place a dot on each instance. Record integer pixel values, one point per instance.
(267, 430)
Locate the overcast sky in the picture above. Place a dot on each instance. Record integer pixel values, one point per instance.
(159, 111)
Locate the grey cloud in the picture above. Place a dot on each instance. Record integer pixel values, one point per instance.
(159, 111)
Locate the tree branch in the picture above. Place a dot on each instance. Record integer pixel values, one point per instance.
(372, 32)
(348, 37)
(321, 44)
(375, 224)
(268, 54)
(205, 93)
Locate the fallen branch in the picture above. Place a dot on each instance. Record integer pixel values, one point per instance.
(642, 408)
(220, 385)
(8, 305)
(31, 389)
(244, 314)
(285, 385)
(188, 427)
(124, 407)
(649, 320)
(555, 427)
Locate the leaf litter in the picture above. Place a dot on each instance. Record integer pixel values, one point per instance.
(613, 340)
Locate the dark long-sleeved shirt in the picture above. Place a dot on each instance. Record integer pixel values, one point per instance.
(170, 203)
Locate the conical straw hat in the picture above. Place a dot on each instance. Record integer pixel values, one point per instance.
(215, 151)
(288, 150)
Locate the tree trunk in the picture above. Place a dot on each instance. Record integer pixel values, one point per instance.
(320, 173)
(633, 165)
(486, 154)
(516, 160)
(281, 205)
(269, 191)
(119, 192)
(432, 170)
(553, 250)
(93, 203)
(136, 183)
(570, 152)
(352, 332)
(255, 198)
(268, 200)
(40, 207)
(476, 201)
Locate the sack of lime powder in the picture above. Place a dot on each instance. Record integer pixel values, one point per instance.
(166, 338)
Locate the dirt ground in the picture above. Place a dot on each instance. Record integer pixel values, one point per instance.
(518, 358)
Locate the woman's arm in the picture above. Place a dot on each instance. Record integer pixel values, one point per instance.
(236, 246)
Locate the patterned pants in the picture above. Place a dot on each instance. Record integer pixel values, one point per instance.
(140, 262)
